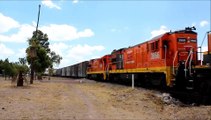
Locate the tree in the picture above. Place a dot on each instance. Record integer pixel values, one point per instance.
(8, 69)
(1, 67)
(43, 57)
(22, 61)
(40, 45)
(13, 69)
(54, 58)
(22, 69)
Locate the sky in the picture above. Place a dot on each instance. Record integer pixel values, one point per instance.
(80, 30)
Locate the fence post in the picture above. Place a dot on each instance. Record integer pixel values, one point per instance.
(132, 81)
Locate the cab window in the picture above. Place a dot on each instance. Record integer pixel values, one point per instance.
(154, 46)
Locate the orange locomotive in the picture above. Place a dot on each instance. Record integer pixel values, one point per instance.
(169, 60)
(97, 68)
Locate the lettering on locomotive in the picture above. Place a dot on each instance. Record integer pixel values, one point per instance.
(155, 55)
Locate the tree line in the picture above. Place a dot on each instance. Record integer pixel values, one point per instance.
(11, 69)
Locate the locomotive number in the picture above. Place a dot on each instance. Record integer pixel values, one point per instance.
(155, 55)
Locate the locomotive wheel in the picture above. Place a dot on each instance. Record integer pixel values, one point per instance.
(101, 77)
(163, 83)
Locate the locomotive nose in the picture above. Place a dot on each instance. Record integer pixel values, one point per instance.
(188, 48)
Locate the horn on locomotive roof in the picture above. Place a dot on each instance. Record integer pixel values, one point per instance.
(190, 28)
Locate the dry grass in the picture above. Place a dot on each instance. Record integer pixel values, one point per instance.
(62, 98)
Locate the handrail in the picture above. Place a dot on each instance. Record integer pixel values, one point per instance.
(107, 69)
(190, 54)
(165, 53)
(200, 55)
(174, 61)
(191, 58)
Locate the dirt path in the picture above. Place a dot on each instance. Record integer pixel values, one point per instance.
(87, 100)
(62, 98)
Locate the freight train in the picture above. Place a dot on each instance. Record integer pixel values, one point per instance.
(168, 60)
(74, 71)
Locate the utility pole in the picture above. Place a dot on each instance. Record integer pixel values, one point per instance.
(38, 19)
(33, 50)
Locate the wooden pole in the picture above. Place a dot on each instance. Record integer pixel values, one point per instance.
(32, 67)
(38, 19)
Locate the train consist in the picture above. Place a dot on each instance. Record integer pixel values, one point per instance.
(75, 71)
(168, 60)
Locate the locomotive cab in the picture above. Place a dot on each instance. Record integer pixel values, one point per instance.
(183, 58)
(188, 73)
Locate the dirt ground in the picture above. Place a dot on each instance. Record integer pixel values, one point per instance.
(63, 98)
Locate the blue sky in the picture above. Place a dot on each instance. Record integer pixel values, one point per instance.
(80, 30)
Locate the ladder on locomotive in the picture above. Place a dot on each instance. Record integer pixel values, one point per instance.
(187, 70)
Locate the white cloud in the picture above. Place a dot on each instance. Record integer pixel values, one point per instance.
(75, 54)
(193, 24)
(34, 23)
(55, 32)
(86, 33)
(21, 53)
(65, 32)
(203, 49)
(115, 30)
(119, 29)
(80, 53)
(4, 51)
(75, 1)
(84, 50)
(7, 23)
(50, 4)
(24, 32)
(59, 48)
(203, 23)
(163, 29)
